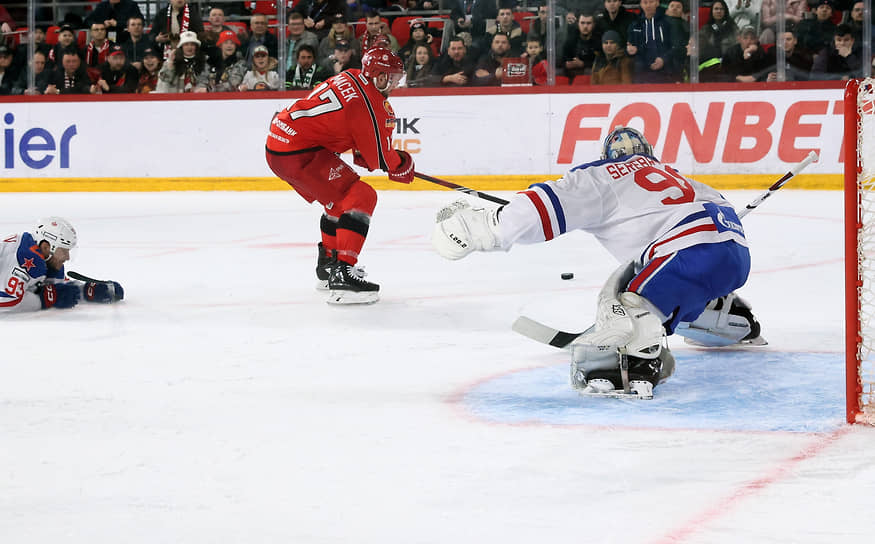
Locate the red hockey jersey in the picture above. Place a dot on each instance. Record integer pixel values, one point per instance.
(345, 112)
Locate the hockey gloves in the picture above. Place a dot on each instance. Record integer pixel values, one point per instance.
(59, 295)
(104, 292)
(359, 160)
(404, 172)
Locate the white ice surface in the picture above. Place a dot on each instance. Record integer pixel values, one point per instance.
(224, 401)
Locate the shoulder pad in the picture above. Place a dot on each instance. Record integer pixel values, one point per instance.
(29, 257)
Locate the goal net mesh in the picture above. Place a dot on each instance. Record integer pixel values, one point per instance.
(866, 247)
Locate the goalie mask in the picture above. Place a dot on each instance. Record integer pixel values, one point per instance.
(623, 141)
(57, 231)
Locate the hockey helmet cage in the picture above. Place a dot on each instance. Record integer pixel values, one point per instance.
(623, 141)
(381, 60)
(57, 231)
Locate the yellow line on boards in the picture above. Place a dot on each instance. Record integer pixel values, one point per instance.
(721, 182)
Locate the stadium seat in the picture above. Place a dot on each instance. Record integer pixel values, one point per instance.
(704, 15)
(52, 35)
(239, 27)
(267, 7)
(401, 29)
(82, 39)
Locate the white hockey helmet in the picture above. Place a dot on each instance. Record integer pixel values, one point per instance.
(57, 231)
(623, 141)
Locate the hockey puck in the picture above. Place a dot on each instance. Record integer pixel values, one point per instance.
(567, 275)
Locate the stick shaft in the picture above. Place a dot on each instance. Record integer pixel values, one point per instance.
(778, 184)
(451, 185)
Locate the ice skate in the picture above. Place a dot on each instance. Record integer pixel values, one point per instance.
(324, 260)
(346, 285)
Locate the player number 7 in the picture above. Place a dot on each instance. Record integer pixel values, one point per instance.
(331, 103)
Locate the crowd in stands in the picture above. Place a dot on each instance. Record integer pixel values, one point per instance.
(196, 47)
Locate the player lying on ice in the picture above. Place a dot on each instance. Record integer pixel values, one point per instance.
(681, 244)
(32, 264)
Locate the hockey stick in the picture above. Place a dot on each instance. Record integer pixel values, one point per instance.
(812, 156)
(450, 185)
(80, 277)
(554, 337)
(111, 285)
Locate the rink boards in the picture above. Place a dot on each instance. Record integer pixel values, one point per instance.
(723, 135)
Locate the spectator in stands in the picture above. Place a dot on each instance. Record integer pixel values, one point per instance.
(97, 49)
(650, 46)
(7, 26)
(148, 82)
(7, 77)
(746, 62)
(534, 52)
(297, 35)
(710, 68)
(746, 13)
(575, 8)
(259, 36)
(418, 36)
(170, 23)
(66, 44)
(214, 25)
(613, 67)
(116, 75)
(841, 60)
(186, 69)
(680, 32)
(374, 28)
(343, 58)
(794, 12)
(538, 27)
(719, 34)
(613, 16)
(470, 16)
(41, 77)
(70, 77)
(137, 42)
(262, 76)
(817, 34)
(307, 74)
(227, 69)
(318, 14)
(581, 48)
(454, 68)
(420, 66)
(798, 61)
(114, 14)
(489, 70)
(505, 24)
(339, 31)
(854, 18)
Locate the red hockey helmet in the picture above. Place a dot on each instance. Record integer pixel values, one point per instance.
(381, 60)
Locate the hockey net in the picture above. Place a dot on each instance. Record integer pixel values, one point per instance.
(860, 249)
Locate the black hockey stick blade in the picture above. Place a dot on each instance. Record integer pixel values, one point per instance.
(456, 187)
(80, 277)
(543, 333)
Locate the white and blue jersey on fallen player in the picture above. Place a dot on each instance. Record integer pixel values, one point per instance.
(24, 271)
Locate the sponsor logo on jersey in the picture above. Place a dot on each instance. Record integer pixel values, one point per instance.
(283, 127)
(390, 122)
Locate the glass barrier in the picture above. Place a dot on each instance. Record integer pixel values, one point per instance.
(277, 45)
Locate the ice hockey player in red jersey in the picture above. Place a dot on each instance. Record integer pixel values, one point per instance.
(349, 111)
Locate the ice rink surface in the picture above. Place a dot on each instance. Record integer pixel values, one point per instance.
(225, 401)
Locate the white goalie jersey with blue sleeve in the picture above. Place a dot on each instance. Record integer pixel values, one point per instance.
(637, 207)
(22, 271)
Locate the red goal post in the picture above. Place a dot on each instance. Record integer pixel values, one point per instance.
(859, 112)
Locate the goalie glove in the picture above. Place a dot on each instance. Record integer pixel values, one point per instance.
(105, 292)
(466, 229)
(58, 295)
(404, 172)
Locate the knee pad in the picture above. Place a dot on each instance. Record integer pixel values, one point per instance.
(360, 198)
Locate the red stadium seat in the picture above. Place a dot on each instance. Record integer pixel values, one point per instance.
(267, 7)
(401, 29)
(82, 39)
(239, 27)
(524, 18)
(704, 15)
(52, 35)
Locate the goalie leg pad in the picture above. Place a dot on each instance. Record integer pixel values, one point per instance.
(466, 229)
(725, 321)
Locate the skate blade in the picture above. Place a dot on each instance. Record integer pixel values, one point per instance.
(744, 344)
(341, 297)
(616, 394)
(321, 285)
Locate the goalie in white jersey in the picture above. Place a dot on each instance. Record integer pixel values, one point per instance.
(32, 271)
(682, 247)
